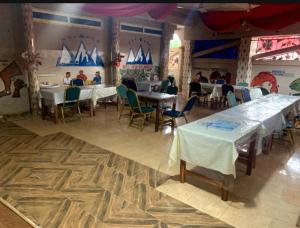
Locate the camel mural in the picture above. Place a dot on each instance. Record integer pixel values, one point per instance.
(17, 68)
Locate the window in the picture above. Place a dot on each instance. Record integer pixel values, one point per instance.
(139, 29)
(53, 17)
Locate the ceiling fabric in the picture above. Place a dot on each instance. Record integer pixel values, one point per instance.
(266, 16)
(155, 10)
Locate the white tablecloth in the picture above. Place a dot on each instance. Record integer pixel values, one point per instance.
(55, 96)
(217, 90)
(213, 148)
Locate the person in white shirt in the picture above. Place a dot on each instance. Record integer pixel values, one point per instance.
(67, 79)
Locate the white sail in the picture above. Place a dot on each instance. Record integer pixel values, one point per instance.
(66, 57)
(131, 57)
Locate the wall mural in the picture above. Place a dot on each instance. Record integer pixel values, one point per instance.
(263, 77)
(139, 63)
(295, 85)
(8, 75)
(82, 57)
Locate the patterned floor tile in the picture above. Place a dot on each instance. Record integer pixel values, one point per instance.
(62, 181)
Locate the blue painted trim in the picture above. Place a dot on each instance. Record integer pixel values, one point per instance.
(48, 16)
(131, 28)
(153, 31)
(88, 22)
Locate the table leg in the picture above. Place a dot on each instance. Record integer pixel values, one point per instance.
(157, 116)
(174, 105)
(182, 171)
(44, 109)
(55, 114)
(92, 110)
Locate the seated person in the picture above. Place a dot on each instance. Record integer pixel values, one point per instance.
(67, 79)
(201, 78)
(81, 75)
(97, 78)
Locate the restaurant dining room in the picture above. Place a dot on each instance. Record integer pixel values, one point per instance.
(150, 115)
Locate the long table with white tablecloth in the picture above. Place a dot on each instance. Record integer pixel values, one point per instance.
(55, 96)
(214, 148)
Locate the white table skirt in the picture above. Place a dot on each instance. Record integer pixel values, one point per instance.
(217, 90)
(209, 147)
(55, 96)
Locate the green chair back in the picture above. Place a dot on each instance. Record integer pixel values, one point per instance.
(245, 84)
(264, 91)
(172, 90)
(133, 101)
(72, 94)
(164, 86)
(122, 90)
(231, 99)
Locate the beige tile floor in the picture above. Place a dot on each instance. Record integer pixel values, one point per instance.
(268, 198)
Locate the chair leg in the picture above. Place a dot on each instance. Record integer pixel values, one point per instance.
(131, 119)
(121, 108)
(291, 136)
(143, 122)
(79, 112)
(186, 120)
(62, 113)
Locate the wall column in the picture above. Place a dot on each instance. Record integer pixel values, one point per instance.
(244, 68)
(33, 79)
(168, 31)
(116, 76)
(187, 66)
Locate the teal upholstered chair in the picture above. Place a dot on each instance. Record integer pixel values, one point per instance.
(173, 114)
(164, 86)
(172, 80)
(122, 98)
(71, 101)
(246, 95)
(173, 90)
(136, 109)
(231, 99)
(77, 82)
(245, 84)
(264, 91)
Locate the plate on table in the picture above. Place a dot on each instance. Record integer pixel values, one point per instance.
(49, 85)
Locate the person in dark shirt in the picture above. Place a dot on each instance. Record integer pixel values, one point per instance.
(97, 78)
(201, 78)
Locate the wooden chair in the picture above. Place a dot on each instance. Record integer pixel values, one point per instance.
(122, 98)
(137, 110)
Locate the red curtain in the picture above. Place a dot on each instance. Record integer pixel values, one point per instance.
(266, 16)
(155, 10)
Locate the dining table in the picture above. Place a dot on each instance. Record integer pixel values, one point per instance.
(147, 85)
(157, 99)
(211, 142)
(216, 90)
(55, 96)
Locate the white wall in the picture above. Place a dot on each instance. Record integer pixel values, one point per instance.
(289, 69)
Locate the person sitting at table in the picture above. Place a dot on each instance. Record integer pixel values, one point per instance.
(97, 78)
(81, 75)
(201, 78)
(67, 78)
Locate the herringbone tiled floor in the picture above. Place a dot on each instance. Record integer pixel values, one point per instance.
(62, 181)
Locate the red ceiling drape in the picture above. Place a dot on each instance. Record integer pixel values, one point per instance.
(266, 16)
(155, 10)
